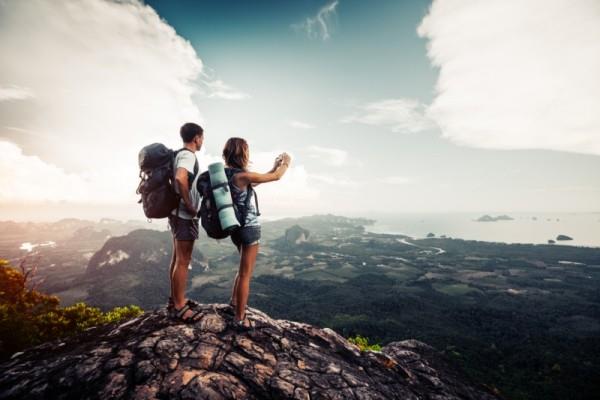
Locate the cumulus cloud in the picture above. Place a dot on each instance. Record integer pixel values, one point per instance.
(399, 115)
(97, 80)
(300, 125)
(329, 155)
(14, 93)
(396, 180)
(516, 74)
(321, 25)
(293, 188)
(28, 179)
(219, 89)
(334, 181)
(345, 181)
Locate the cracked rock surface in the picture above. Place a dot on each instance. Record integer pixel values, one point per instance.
(153, 357)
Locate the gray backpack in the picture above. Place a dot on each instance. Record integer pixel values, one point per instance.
(157, 180)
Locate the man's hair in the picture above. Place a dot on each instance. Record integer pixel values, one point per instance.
(189, 131)
(236, 153)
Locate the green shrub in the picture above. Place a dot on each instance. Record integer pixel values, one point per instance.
(363, 343)
(29, 317)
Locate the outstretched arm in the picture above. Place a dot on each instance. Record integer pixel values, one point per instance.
(275, 166)
(245, 178)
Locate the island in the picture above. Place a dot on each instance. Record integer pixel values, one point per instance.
(563, 237)
(488, 218)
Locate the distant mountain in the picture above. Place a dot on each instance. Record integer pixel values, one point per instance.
(132, 269)
(44, 230)
(61, 264)
(67, 228)
(319, 225)
(90, 233)
(296, 234)
(130, 252)
(12, 228)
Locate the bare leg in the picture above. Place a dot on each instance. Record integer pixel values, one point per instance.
(247, 262)
(172, 267)
(235, 288)
(184, 255)
(235, 284)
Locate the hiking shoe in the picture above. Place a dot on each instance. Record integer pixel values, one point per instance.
(171, 306)
(239, 326)
(178, 314)
(232, 309)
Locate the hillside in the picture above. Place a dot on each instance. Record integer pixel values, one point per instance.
(522, 318)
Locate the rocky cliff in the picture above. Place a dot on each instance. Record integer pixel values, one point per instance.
(152, 357)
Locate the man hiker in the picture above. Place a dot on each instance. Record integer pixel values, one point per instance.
(183, 221)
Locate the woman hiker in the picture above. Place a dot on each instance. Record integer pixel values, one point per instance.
(236, 154)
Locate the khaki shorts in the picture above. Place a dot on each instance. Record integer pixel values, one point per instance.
(183, 229)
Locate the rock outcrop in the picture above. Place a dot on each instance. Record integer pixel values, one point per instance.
(296, 234)
(152, 357)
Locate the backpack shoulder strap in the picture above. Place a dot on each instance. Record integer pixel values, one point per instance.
(203, 184)
(174, 156)
(255, 199)
(230, 172)
(191, 176)
(196, 167)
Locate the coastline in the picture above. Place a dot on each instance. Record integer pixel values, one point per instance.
(525, 228)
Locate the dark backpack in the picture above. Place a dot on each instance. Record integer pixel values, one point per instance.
(209, 214)
(157, 180)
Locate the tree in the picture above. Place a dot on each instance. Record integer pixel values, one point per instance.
(29, 317)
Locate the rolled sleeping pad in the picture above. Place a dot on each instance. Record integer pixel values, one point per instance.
(222, 195)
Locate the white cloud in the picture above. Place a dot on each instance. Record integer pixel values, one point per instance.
(399, 115)
(396, 180)
(28, 179)
(331, 156)
(103, 79)
(517, 74)
(205, 159)
(293, 192)
(14, 93)
(219, 89)
(345, 181)
(321, 25)
(334, 181)
(300, 125)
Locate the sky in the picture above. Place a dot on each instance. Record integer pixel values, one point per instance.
(385, 107)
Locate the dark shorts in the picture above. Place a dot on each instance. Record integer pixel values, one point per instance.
(246, 235)
(183, 229)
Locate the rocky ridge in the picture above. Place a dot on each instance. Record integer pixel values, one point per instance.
(152, 357)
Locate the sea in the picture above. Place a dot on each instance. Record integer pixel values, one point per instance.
(535, 228)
